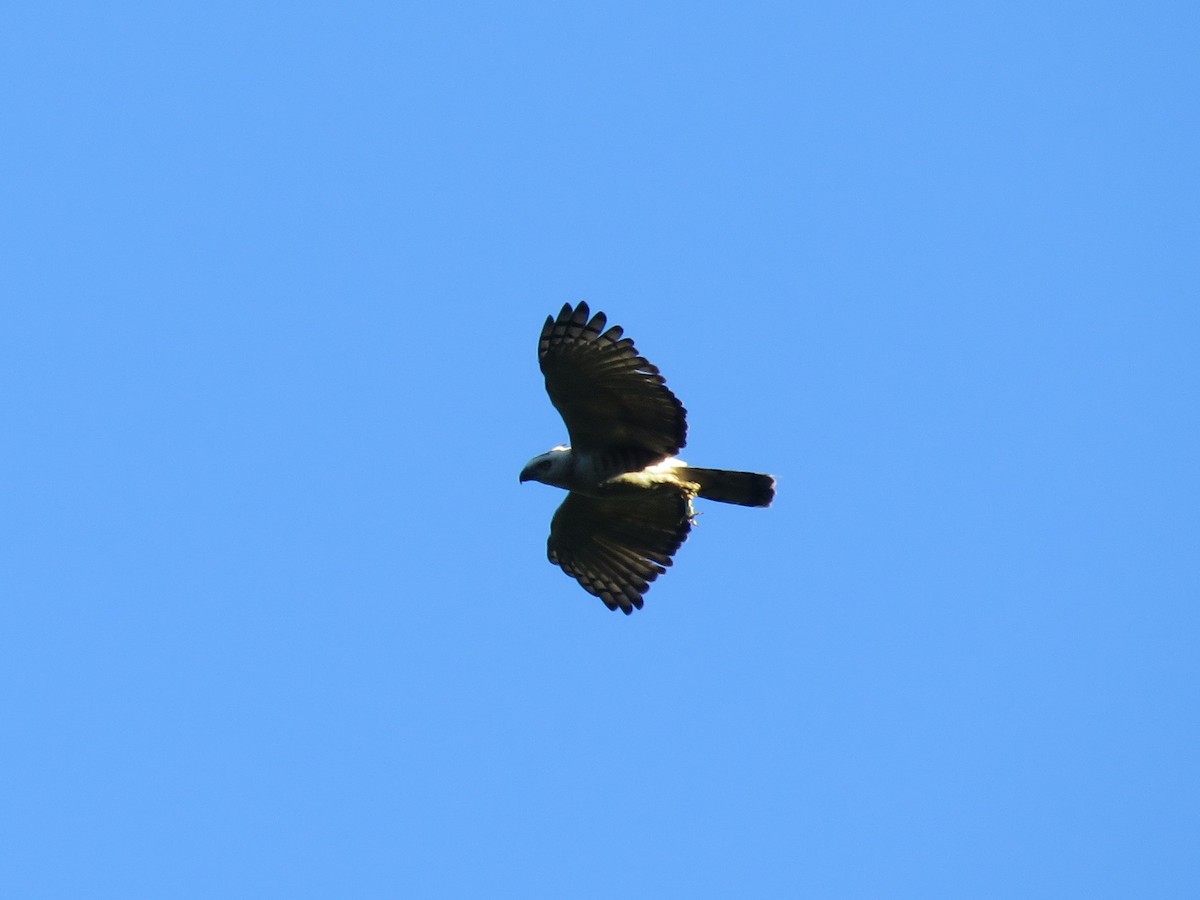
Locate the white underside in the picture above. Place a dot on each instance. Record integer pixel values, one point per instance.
(661, 473)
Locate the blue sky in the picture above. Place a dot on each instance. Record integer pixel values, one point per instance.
(277, 619)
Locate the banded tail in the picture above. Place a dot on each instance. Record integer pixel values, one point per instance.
(727, 486)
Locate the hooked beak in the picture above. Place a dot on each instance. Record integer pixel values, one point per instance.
(524, 476)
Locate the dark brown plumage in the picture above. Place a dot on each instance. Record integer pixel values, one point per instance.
(615, 546)
(630, 503)
(611, 399)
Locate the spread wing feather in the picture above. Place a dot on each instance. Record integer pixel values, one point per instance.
(615, 546)
(613, 401)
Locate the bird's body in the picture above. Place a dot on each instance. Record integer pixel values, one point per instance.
(593, 476)
(630, 502)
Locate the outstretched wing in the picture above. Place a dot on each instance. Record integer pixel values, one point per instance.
(613, 401)
(615, 546)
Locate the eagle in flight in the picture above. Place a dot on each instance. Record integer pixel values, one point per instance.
(629, 505)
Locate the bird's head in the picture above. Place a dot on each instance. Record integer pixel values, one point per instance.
(549, 467)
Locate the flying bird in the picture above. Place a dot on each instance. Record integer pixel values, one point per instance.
(629, 506)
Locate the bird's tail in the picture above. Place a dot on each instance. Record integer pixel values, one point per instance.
(726, 486)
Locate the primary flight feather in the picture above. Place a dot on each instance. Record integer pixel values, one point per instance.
(629, 506)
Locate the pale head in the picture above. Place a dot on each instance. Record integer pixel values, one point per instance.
(549, 467)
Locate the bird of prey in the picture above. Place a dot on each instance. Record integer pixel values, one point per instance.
(629, 505)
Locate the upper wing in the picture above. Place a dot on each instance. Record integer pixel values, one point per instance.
(615, 546)
(612, 399)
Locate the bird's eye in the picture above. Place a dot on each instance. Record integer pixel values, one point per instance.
(543, 465)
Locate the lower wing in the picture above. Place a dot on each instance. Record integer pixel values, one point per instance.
(615, 546)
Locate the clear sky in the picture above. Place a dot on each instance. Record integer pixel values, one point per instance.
(276, 615)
